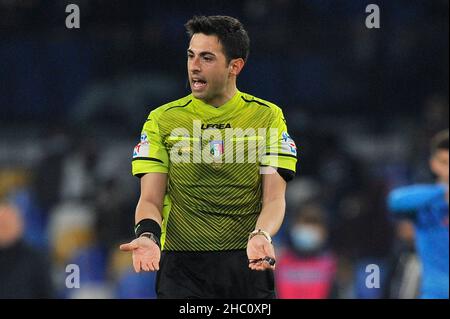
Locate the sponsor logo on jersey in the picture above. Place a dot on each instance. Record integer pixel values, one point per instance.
(216, 126)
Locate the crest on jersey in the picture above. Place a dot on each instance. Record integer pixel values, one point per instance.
(216, 148)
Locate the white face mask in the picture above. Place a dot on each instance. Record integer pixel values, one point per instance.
(307, 238)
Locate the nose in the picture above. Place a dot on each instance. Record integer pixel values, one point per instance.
(194, 65)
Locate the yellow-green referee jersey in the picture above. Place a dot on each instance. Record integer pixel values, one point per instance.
(214, 158)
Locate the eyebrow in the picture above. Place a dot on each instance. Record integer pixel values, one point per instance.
(203, 53)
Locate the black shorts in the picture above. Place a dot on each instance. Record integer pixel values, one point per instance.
(211, 275)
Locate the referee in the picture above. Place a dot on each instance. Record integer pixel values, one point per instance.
(213, 168)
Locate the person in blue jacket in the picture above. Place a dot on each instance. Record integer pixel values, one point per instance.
(427, 205)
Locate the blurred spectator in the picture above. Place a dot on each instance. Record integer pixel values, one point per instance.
(79, 170)
(114, 213)
(24, 271)
(433, 118)
(427, 206)
(48, 170)
(307, 268)
(364, 235)
(404, 278)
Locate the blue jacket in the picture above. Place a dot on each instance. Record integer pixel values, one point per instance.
(427, 206)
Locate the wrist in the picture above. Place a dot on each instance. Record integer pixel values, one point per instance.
(152, 237)
(261, 232)
(149, 228)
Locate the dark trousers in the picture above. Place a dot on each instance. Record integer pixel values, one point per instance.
(211, 275)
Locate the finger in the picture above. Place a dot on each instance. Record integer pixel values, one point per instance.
(150, 266)
(266, 263)
(128, 247)
(136, 264)
(266, 266)
(255, 262)
(144, 266)
(252, 265)
(260, 266)
(256, 266)
(155, 265)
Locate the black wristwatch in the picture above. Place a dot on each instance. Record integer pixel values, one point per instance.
(153, 238)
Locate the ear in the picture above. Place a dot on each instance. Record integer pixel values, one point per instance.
(236, 66)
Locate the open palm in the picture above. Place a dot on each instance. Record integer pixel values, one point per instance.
(146, 254)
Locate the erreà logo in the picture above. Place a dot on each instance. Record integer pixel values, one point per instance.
(217, 126)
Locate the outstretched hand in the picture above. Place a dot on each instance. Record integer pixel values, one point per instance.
(146, 254)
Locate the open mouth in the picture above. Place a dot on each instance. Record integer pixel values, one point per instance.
(198, 84)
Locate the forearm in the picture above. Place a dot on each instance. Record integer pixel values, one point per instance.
(151, 201)
(146, 209)
(412, 198)
(272, 215)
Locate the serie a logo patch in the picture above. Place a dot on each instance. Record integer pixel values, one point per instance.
(143, 148)
(288, 144)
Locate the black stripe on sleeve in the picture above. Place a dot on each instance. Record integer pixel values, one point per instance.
(147, 159)
(280, 154)
(287, 174)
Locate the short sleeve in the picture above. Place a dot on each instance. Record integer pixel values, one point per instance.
(150, 154)
(281, 150)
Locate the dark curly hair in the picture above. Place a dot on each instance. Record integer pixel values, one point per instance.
(230, 31)
(439, 142)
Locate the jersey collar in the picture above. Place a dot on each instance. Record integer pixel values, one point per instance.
(229, 106)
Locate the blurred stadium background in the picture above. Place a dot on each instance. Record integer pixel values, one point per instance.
(360, 103)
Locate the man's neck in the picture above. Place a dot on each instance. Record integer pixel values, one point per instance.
(222, 99)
